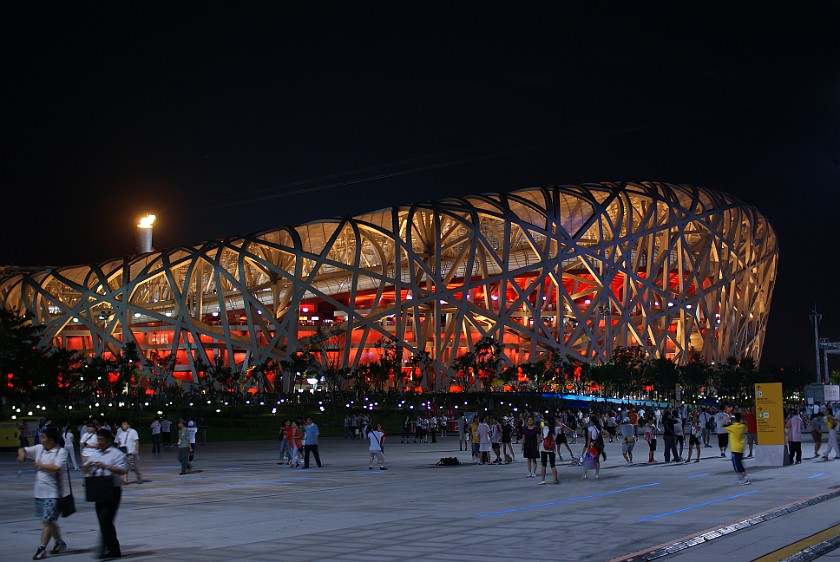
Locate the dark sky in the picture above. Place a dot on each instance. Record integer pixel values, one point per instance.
(233, 118)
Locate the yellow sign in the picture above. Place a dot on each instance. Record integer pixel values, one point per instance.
(770, 413)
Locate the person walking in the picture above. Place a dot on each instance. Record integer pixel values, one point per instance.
(68, 438)
(752, 430)
(183, 447)
(310, 443)
(166, 431)
(23, 433)
(347, 432)
(650, 437)
(695, 436)
(547, 447)
(496, 440)
(50, 459)
(561, 439)
(628, 439)
(794, 426)
(722, 419)
(108, 460)
(736, 430)
(155, 427)
(593, 449)
(668, 423)
(377, 438)
(129, 443)
(816, 432)
(831, 423)
(679, 432)
(462, 433)
(406, 430)
(707, 425)
(295, 438)
(285, 450)
(507, 438)
(88, 441)
(484, 444)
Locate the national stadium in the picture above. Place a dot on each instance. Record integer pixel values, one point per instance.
(580, 270)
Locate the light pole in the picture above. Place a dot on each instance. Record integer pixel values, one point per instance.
(815, 319)
(604, 311)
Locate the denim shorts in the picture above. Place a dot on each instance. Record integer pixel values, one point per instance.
(47, 509)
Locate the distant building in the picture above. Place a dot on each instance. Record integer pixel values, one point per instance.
(582, 269)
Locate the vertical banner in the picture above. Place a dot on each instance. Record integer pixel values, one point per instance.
(770, 413)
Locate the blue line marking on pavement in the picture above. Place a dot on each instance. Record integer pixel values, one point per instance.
(232, 468)
(699, 475)
(697, 505)
(568, 500)
(814, 476)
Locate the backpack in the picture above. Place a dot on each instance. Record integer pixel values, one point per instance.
(548, 443)
(710, 424)
(599, 442)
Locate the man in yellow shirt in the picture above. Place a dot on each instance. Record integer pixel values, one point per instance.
(736, 431)
(474, 437)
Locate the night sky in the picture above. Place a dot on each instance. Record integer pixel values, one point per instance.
(237, 118)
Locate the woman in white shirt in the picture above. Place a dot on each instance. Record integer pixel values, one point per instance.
(88, 442)
(68, 445)
(50, 459)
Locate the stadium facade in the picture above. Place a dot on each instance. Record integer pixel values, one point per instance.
(582, 269)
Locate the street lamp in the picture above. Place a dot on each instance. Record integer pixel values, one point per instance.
(604, 311)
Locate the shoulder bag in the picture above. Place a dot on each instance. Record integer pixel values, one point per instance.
(99, 488)
(67, 504)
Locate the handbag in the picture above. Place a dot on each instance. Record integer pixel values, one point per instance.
(67, 504)
(99, 488)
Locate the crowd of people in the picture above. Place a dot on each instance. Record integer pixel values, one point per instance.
(540, 438)
(679, 433)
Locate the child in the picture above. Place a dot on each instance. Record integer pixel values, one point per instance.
(650, 437)
(695, 435)
(592, 460)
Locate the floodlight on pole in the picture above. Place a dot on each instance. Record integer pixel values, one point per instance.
(144, 234)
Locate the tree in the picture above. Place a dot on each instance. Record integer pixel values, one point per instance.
(694, 375)
(488, 357)
(630, 369)
(464, 367)
(21, 358)
(161, 368)
(388, 364)
(664, 376)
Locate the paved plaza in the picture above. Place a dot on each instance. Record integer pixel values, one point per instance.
(239, 504)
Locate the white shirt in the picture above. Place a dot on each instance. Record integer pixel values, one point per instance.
(68, 438)
(155, 427)
(166, 426)
(376, 437)
(48, 484)
(720, 420)
(109, 457)
(129, 439)
(545, 434)
(88, 443)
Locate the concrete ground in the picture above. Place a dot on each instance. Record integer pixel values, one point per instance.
(239, 504)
